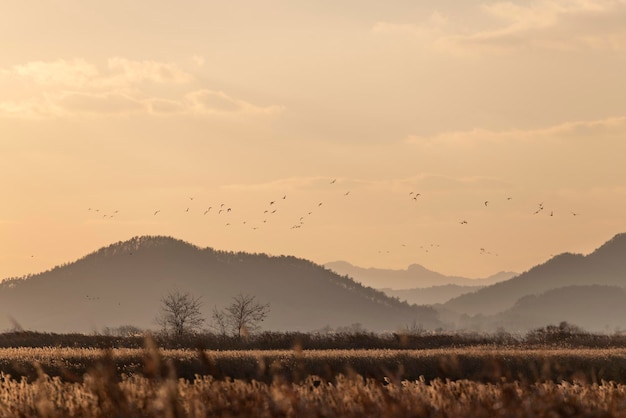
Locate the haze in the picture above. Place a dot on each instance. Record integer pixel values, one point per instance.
(507, 118)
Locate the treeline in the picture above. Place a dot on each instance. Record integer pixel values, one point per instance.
(563, 335)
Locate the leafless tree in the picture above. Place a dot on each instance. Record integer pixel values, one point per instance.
(219, 321)
(243, 316)
(180, 313)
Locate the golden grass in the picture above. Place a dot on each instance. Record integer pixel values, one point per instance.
(352, 396)
(311, 383)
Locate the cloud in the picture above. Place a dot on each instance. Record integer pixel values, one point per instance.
(119, 73)
(101, 103)
(66, 88)
(129, 72)
(75, 73)
(282, 185)
(540, 24)
(216, 102)
(590, 130)
(435, 26)
(424, 181)
(550, 24)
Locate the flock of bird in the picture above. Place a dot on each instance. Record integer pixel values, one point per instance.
(272, 207)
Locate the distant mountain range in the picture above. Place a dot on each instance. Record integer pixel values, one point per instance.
(122, 284)
(586, 290)
(415, 276)
(430, 295)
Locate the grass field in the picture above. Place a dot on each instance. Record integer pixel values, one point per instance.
(478, 381)
(483, 364)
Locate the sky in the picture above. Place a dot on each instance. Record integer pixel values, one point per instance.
(466, 136)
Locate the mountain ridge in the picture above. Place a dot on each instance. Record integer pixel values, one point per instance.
(122, 284)
(414, 276)
(604, 266)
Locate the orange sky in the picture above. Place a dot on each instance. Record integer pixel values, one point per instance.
(126, 108)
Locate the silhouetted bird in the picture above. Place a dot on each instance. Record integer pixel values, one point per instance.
(486, 202)
(333, 182)
(157, 211)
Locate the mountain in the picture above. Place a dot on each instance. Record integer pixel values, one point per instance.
(122, 284)
(430, 295)
(606, 266)
(415, 276)
(595, 308)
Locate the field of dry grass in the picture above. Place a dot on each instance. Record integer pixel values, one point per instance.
(481, 363)
(101, 396)
(480, 381)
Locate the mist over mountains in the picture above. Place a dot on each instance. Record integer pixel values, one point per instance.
(587, 290)
(122, 284)
(414, 276)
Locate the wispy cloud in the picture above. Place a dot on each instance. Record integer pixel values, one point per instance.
(591, 130)
(118, 73)
(217, 102)
(541, 24)
(76, 87)
(551, 24)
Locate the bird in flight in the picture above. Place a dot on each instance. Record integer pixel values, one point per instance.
(486, 202)
(333, 181)
(346, 193)
(157, 211)
(463, 222)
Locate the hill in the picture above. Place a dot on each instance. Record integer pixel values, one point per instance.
(122, 284)
(595, 308)
(430, 295)
(415, 276)
(606, 266)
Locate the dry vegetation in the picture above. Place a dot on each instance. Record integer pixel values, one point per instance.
(102, 396)
(478, 381)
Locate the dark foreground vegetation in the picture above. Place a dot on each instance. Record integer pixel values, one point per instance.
(554, 371)
(563, 335)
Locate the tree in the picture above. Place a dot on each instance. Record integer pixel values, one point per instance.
(180, 313)
(243, 316)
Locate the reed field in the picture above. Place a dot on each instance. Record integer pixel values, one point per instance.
(476, 381)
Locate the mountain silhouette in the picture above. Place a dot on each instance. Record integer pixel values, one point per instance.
(415, 276)
(122, 284)
(430, 295)
(606, 266)
(594, 308)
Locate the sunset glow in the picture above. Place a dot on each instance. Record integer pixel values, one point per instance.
(469, 137)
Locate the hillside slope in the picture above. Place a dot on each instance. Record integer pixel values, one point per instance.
(123, 283)
(605, 266)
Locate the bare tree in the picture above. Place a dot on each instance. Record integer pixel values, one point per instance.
(243, 316)
(180, 313)
(219, 321)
